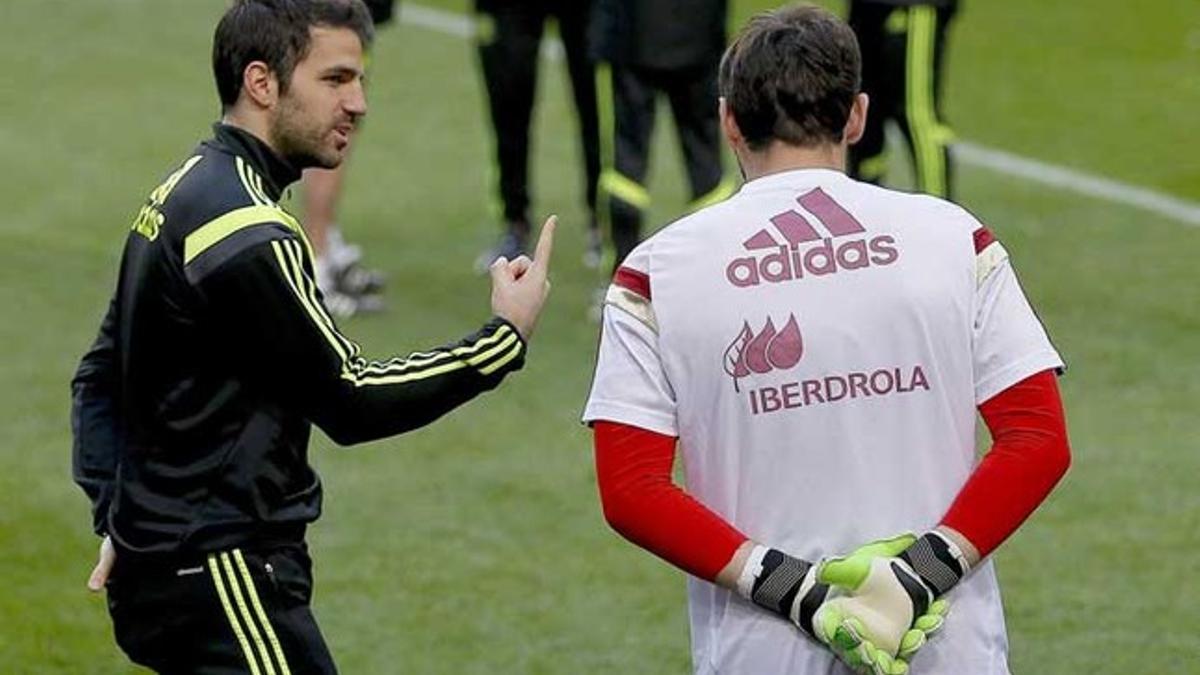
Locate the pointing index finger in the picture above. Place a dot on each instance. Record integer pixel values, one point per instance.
(545, 244)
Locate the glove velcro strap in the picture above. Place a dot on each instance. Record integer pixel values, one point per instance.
(808, 606)
(780, 582)
(933, 560)
(918, 593)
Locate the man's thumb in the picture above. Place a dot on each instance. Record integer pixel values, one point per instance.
(847, 573)
(96, 581)
(99, 574)
(103, 568)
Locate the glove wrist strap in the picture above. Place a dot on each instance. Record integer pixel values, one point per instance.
(782, 584)
(938, 561)
(751, 571)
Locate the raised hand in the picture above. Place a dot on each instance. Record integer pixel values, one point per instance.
(520, 286)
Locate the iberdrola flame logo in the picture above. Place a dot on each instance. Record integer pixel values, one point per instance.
(768, 349)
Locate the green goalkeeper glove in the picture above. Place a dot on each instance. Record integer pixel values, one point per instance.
(892, 606)
(790, 587)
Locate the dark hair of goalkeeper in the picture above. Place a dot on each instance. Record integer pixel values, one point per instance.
(791, 75)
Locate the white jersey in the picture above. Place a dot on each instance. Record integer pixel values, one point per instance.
(819, 346)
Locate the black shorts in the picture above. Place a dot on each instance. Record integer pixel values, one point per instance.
(234, 611)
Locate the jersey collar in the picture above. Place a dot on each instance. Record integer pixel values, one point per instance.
(276, 173)
(793, 178)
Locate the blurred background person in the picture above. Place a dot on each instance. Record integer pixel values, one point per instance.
(642, 48)
(509, 34)
(349, 287)
(903, 45)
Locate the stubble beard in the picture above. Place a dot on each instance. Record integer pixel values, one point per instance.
(299, 140)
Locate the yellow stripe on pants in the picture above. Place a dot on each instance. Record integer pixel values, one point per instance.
(244, 611)
(258, 610)
(927, 136)
(215, 569)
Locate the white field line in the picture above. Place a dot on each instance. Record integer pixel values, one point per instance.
(460, 25)
(438, 20)
(1096, 187)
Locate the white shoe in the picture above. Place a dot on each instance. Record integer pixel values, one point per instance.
(343, 306)
(341, 254)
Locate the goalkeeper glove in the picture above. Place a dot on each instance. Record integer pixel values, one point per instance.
(790, 587)
(893, 604)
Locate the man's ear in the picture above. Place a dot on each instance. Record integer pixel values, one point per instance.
(729, 125)
(856, 123)
(260, 85)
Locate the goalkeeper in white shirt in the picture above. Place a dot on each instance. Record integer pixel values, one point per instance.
(817, 348)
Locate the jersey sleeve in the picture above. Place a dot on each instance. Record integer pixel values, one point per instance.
(1009, 341)
(94, 420)
(630, 385)
(643, 504)
(269, 315)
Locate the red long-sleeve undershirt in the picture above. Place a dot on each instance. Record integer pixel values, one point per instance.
(633, 469)
(1029, 455)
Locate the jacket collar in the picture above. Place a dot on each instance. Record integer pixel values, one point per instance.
(277, 174)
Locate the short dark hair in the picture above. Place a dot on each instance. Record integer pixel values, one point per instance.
(276, 32)
(792, 75)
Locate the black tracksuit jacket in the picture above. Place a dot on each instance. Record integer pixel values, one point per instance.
(192, 410)
(664, 35)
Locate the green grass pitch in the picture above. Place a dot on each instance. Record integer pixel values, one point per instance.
(477, 545)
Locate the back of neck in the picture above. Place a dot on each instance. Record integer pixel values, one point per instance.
(779, 157)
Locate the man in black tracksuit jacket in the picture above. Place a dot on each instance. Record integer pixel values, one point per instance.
(192, 410)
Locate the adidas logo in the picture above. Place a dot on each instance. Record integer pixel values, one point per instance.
(805, 251)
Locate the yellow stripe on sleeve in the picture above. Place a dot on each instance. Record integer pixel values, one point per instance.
(419, 360)
(485, 356)
(504, 335)
(291, 272)
(350, 350)
(502, 361)
(396, 371)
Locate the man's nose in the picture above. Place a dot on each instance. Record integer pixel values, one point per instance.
(355, 101)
